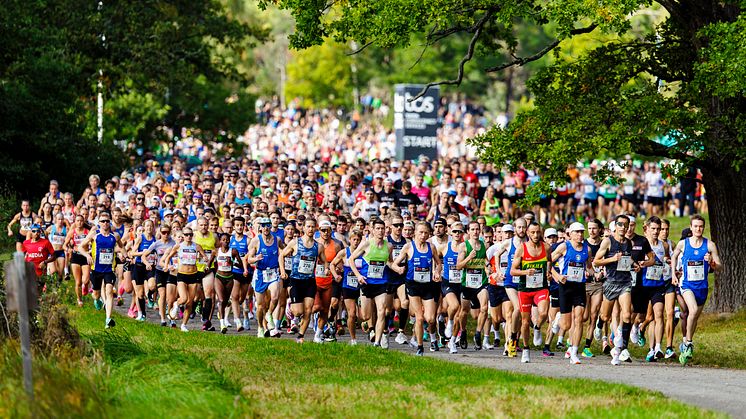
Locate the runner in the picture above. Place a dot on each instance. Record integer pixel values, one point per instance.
(376, 254)
(594, 290)
(188, 276)
(350, 285)
(615, 254)
(225, 258)
(25, 219)
(242, 273)
(396, 280)
(512, 318)
(104, 243)
(472, 261)
(78, 264)
(264, 251)
(654, 286)
(151, 259)
(698, 255)
(38, 251)
(451, 287)
(324, 278)
(423, 274)
(207, 240)
(530, 264)
(143, 272)
(575, 266)
(56, 234)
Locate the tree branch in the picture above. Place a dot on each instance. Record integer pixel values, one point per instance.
(520, 61)
(466, 58)
(360, 49)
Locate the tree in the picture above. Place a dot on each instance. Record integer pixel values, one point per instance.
(684, 78)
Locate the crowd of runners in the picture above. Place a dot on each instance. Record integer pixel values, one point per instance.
(405, 252)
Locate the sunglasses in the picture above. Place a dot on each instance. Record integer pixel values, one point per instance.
(188, 234)
(165, 231)
(265, 225)
(326, 230)
(622, 224)
(35, 231)
(458, 231)
(398, 225)
(169, 202)
(104, 221)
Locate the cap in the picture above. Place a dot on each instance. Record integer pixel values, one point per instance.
(457, 227)
(166, 213)
(292, 167)
(317, 168)
(263, 220)
(408, 224)
(197, 196)
(388, 180)
(325, 224)
(395, 164)
(508, 228)
(35, 227)
(550, 232)
(441, 221)
(307, 189)
(377, 176)
(264, 184)
(576, 226)
(452, 192)
(385, 205)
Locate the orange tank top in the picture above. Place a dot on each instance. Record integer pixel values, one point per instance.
(330, 252)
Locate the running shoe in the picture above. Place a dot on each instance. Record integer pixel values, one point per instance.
(385, 341)
(401, 338)
(615, 356)
(223, 329)
(172, 324)
(364, 326)
(184, 328)
(497, 341)
(80, 302)
(659, 355)
(239, 326)
(227, 323)
(463, 339)
(275, 333)
(110, 323)
(372, 335)
(164, 324)
(132, 313)
(140, 318)
(537, 337)
(478, 341)
(641, 340)
(597, 333)
(512, 349)
(449, 329)
(587, 353)
(353, 342)
(555, 324)
(624, 356)
(452, 346)
(650, 357)
(567, 353)
(605, 347)
(525, 358)
(260, 332)
(686, 354)
(545, 352)
(618, 340)
(434, 346)
(293, 329)
(634, 335)
(670, 353)
(246, 324)
(317, 338)
(420, 351)
(413, 342)
(174, 312)
(84, 289)
(120, 301)
(561, 346)
(486, 344)
(299, 340)
(425, 334)
(331, 338)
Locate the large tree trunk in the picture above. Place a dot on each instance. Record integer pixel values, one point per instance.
(726, 199)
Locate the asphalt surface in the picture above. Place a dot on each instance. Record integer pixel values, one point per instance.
(722, 390)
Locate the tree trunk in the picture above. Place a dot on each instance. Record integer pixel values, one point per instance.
(726, 199)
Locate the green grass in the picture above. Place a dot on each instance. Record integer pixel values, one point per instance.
(146, 370)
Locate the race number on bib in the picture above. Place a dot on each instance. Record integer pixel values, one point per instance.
(654, 273)
(288, 264)
(536, 280)
(422, 275)
(396, 253)
(575, 272)
(351, 280)
(56, 239)
(306, 265)
(695, 270)
(270, 275)
(624, 264)
(510, 190)
(105, 256)
(588, 189)
(473, 278)
(454, 276)
(320, 271)
(224, 264)
(375, 269)
(188, 257)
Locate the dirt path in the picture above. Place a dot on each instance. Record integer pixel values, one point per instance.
(721, 390)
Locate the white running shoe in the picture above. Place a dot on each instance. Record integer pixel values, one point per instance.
(618, 339)
(449, 329)
(413, 342)
(555, 324)
(317, 338)
(260, 332)
(634, 334)
(385, 341)
(184, 328)
(537, 338)
(486, 343)
(524, 356)
(567, 354)
(269, 319)
(615, 356)
(246, 323)
(372, 335)
(597, 333)
(452, 346)
(353, 342)
(401, 338)
(574, 360)
(227, 323)
(174, 313)
(624, 356)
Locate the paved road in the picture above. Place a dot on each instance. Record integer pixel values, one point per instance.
(722, 390)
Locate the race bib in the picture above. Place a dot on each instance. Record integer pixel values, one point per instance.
(422, 275)
(188, 257)
(654, 273)
(320, 271)
(484, 181)
(375, 269)
(510, 190)
(575, 272)
(306, 265)
(667, 271)
(151, 258)
(695, 270)
(454, 276)
(105, 256)
(396, 252)
(208, 254)
(270, 275)
(288, 264)
(58, 240)
(473, 278)
(588, 189)
(224, 264)
(629, 189)
(654, 190)
(536, 280)
(351, 280)
(624, 264)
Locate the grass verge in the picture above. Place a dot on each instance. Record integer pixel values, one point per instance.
(153, 371)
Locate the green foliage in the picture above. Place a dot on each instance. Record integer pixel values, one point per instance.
(321, 76)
